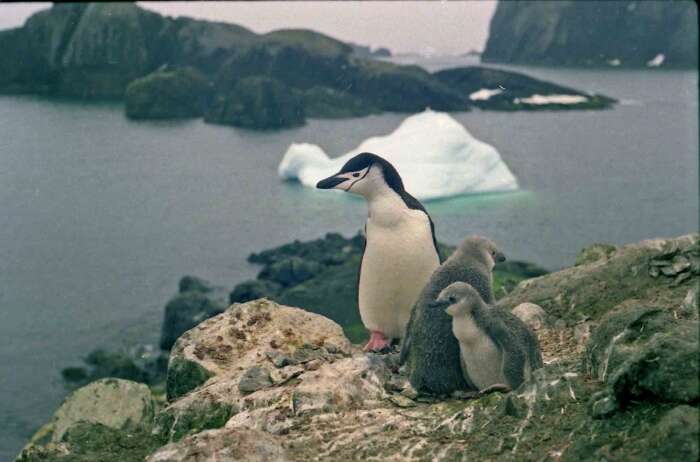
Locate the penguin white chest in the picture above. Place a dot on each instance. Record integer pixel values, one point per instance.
(399, 259)
(482, 360)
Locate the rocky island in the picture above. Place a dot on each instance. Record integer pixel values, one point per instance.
(263, 381)
(165, 67)
(627, 33)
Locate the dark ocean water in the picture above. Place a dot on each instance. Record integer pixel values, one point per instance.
(100, 216)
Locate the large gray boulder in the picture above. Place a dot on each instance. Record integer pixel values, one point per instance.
(227, 362)
(106, 407)
(115, 403)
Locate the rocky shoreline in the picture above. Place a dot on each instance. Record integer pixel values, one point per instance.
(319, 276)
(170, 68)
(264, 381)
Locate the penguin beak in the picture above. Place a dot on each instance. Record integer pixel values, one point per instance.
(499, 257)
(331, 182)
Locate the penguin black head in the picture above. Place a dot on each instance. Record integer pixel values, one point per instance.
(364, 174)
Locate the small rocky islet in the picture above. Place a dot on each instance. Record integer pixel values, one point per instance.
(265, 381)
(169, 68)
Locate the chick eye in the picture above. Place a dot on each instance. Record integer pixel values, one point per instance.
(452, 299)
(356, 174)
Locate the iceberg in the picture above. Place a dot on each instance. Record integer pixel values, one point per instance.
(435, 155)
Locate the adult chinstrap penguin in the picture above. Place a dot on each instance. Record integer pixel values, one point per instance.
(400, 252)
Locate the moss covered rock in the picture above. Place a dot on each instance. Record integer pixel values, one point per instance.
(176, 422)
(290, 271)
(168, 94)
(675, 436)
(183, 377)
(258, 103)
(105, 405)
(253, 290)
(325, 102)
(332, 293)
(88, 442)
(185, 311)
(594, 252)
(590, 290)
(193, 284)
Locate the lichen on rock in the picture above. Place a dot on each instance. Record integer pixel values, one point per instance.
(223, 445)
(93, 419)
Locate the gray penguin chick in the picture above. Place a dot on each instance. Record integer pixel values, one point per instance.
(429, 349)
(497, 349)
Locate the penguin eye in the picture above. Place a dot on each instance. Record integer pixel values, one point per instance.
(451, 299)
(356, 174)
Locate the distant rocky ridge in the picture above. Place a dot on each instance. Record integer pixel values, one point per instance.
(167, 67)
(364, 51)
(629, 33)
(263, 381)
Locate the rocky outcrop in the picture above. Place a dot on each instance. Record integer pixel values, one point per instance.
(321, 276)
(143, 364)
(226, 444)
(257, 103)
(263, 381)
(587, 291)
(93, 419)
(168, 94)
(187, 309)
(328, 103)
(495, 89)
(180, 67)
(621, 33)
(252, 350)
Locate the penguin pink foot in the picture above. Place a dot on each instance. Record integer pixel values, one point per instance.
(377, 342)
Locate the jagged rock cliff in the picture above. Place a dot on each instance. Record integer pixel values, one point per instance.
(611, 33)
(263, 381)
